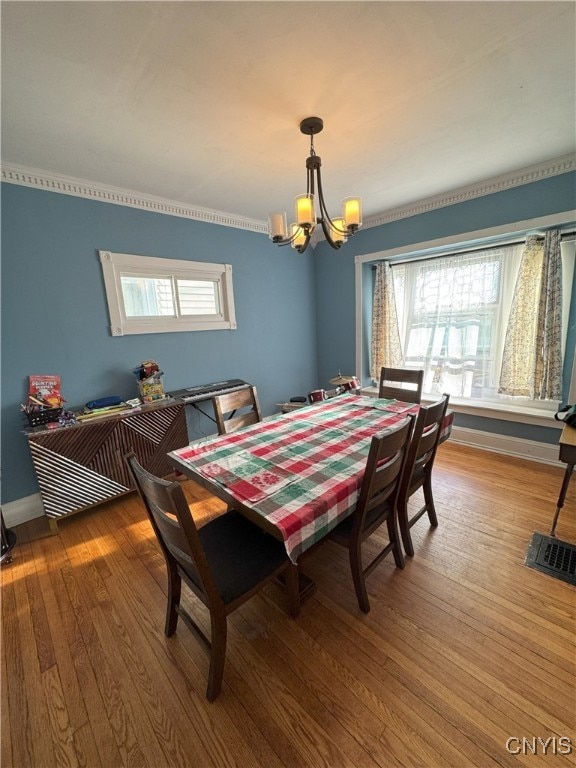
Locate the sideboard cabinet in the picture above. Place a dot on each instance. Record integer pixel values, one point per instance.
(81, 465)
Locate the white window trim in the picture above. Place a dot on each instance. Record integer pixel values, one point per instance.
(113, 264)
(526, 414)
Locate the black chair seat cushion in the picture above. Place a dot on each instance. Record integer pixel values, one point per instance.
(343, 530)
(240, 554)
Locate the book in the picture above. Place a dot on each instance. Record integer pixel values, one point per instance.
(44, 391)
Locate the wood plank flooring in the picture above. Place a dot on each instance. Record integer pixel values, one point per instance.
(463, 650)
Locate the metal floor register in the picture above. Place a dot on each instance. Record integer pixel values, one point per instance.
(552, 556)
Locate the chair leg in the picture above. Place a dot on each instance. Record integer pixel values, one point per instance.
(355, 556)
(293, 589)
(174, 589)
(404, 524)
(394, 536)
(218, 638)
(429, 499)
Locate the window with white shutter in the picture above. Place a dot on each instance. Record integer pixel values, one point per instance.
(152, 295)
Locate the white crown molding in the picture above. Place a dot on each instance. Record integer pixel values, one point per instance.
(537, 172)
(30, 177)
(52, 182)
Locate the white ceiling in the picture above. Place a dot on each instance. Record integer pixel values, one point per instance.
(200, 102)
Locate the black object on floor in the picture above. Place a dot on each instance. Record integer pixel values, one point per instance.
(8, 542)
(552, 556)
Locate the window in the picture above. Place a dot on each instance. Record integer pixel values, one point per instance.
(452, 314)
(453, 309)
(153, 295)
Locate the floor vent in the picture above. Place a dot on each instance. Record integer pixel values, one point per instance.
(552, 556)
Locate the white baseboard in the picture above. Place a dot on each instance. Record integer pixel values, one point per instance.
(30, 507)
(22, 510)
(546, 453)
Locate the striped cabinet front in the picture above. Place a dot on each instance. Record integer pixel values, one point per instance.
(82, 465)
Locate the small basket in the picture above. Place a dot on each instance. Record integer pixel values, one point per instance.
(47, 416)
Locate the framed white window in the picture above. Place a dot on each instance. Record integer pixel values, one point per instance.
(452, 315)
(146, 294)
(487, 282)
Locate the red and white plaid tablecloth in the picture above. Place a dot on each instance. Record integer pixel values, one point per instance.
(301, 471)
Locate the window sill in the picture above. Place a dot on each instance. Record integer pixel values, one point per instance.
(522, 414)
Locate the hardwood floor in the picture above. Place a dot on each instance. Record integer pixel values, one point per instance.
(463, 650)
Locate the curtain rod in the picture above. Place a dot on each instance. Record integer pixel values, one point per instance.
(566, 235)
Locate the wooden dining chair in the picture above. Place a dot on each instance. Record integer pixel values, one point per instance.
(376, 505)
(393, 379)
(418, 472)
(225, 562)
(226, 407)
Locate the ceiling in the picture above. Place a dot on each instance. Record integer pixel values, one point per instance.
(200, 102)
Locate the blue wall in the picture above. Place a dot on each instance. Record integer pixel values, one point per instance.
(55, 317)
(335, 288)
(296, 314)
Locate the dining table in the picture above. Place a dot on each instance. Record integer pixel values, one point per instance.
(296, 475)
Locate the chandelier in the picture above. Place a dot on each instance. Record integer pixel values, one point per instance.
(311, 208)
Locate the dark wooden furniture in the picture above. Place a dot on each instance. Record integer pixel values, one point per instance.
(391, 380)
(82, 465)
(225, 562)
(419, 464)
(376, 505)
(226, 407)
(568, 456)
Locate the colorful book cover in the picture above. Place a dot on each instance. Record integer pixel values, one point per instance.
(44, 389)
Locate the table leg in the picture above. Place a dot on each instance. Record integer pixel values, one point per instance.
(307, 585)
(562, 497)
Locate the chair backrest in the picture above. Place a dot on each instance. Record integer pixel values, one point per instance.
(175, 529)
(384, 468)
(423, 446)
(232, 402)
(392, 379)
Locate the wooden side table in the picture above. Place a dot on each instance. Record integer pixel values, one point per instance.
(568, 456)
(81, 465)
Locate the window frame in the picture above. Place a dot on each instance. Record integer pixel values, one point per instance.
(491, 311)
(531, 412)
(114, 265)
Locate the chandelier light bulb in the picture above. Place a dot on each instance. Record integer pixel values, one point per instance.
(305, 214)
(338, 231)
(298, 237)
(352, 212)
(277, 226)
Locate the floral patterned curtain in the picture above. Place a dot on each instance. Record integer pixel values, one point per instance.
(532, 357)
(548, 364)
(386, 349)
